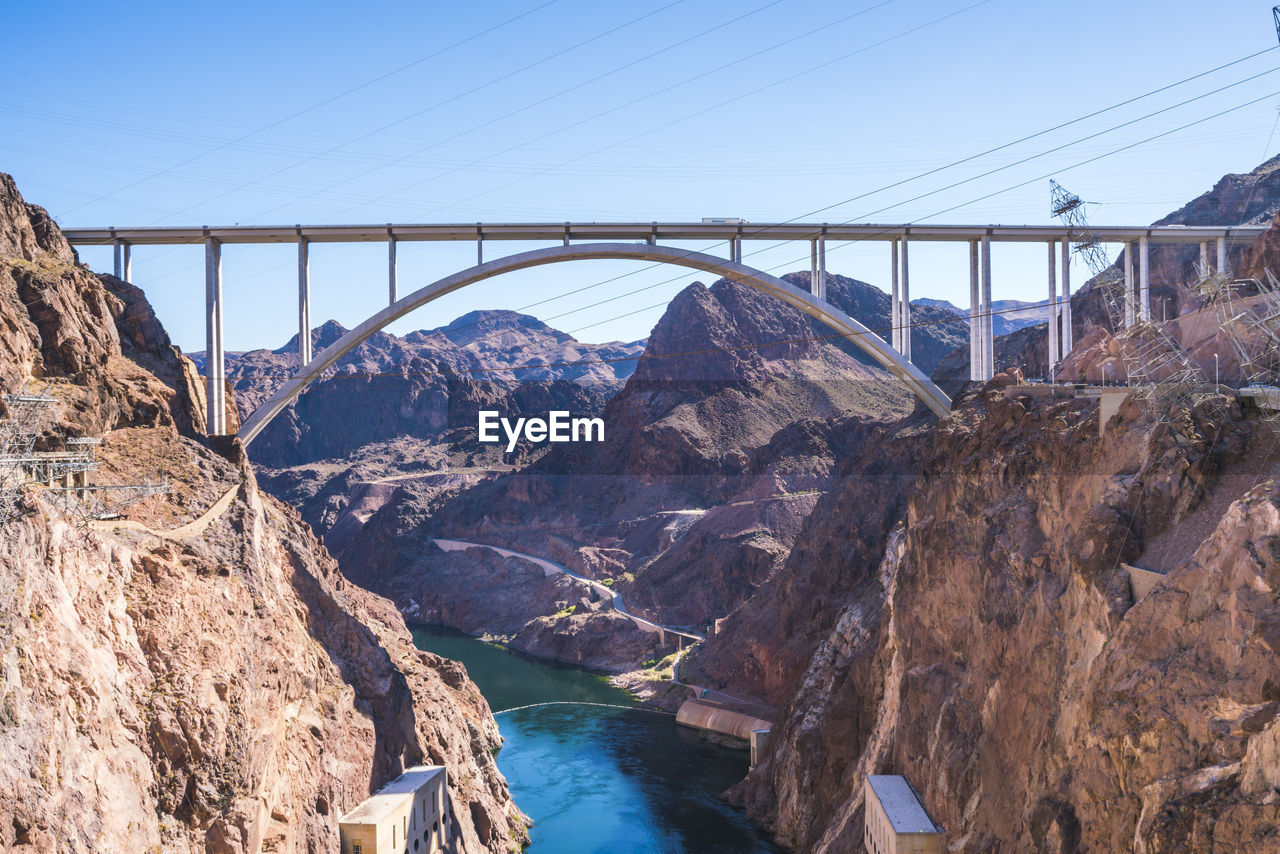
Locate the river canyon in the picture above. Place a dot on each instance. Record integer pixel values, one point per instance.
(772, 524)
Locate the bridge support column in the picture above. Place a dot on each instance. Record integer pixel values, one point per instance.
(391, 268)
(304, 301)
(479, 245)
(1204, 258)
(215, 376)
(1054, 350)
(905, 310)
(821, 292)
(1065, 340)
(813, 266)
(117, 267)
(988, 334)
(1144, 280)
(975, 316)
(1128, 285)
(895, 321)
(123, 269)
(1222, 255)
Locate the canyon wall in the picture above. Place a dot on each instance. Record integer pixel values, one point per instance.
(220, 689)
(995, 655)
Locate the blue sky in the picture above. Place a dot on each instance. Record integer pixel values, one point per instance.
(537, 110)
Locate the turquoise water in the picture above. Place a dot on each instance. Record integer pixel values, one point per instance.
(600, 780)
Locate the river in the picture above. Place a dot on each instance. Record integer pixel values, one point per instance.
(622, 781)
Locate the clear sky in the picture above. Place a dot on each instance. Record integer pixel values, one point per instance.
(549, 110)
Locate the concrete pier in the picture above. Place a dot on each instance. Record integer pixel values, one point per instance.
(1128, 285)
(1055, 353)
(904, 310)
(123, 266)
(304, 301)
(1065, 341)
(822, 268)
(215, 365)
(123, 260)
(1144, 281)
(391, 267)
(988, 336)
(818, 268)
(1222, 255)
(975, 314)
(895, 298)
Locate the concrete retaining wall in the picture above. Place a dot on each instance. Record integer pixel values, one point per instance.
(1141, 581)
(699, 715)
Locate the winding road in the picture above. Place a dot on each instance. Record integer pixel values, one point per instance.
(551, 568)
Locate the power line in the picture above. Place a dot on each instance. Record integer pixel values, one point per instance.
(955, 163)
(315, 106)
(924, 195)
(429, 109)
(716, 106)
(934, 171)
(615, 108)
(879, 332)
(538, 103)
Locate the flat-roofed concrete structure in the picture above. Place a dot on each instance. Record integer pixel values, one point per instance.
(411, 813)
(896, 821)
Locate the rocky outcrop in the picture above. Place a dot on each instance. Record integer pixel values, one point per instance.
(996, 657)
(425, 384)
(714, 453)
(224, 691)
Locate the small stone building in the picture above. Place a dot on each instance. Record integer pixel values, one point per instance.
(410, 814)
(896, 821)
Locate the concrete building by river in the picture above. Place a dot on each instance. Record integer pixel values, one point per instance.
(409, 814)
(896, 821)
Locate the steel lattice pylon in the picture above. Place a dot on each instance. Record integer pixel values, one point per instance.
(1166, 381)
(1249, 318)
(18, 433)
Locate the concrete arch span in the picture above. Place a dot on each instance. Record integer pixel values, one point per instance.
(828, 314)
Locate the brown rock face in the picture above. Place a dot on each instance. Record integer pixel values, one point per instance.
(426, 384)
(714, 453)
(228, 691)
(996, 657)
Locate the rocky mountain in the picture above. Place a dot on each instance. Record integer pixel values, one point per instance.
(948, 599)
(1008, 315)
(997, 655)
(426, 383)
(197, 675)
(714, 452)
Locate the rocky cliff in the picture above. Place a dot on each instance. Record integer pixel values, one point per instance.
(425, 384)
(996, 656)
(714, 453)
(184, 680)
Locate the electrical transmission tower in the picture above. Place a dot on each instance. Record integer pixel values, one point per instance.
(18, 434)
(1249, 318)
(1166, 381)
(1069, 208)
(61, 473)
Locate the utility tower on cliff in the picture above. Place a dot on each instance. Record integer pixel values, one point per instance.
(1166, 381)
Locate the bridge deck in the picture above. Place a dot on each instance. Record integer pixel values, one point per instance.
(644, 231)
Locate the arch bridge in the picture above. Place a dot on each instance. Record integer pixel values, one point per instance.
(643, 245)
